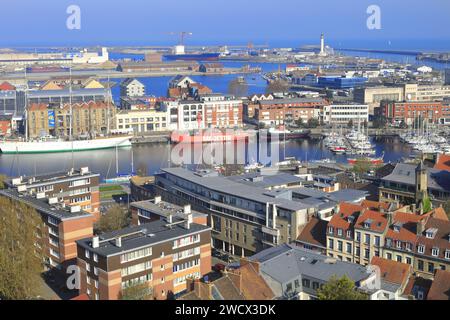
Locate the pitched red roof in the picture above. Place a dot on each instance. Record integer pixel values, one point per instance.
(392, 271)
(440, 288)
(340, 220)
(407, 224)
(440, 239)
(378, 221)
(438, 213)
(375, 205)
(443, 162)
(314, 233)
(6, 86)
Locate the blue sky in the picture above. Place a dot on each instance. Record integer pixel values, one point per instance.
(411, 23)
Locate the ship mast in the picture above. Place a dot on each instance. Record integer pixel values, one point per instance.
(26, 106)
(70, 104)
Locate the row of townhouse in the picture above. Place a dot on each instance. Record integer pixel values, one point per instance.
(357, 233)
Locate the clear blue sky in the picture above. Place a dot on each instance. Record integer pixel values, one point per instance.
(277, 22)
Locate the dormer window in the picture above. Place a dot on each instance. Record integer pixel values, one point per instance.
(397, 226)
(435, 252)
(388, 242)
(339, 231)
(330, 230)
(447, 254)
(350, 219)
(430, 233)
(421, 248)
(349, 234)
(408, 246)
(399, 244)
(367, 223)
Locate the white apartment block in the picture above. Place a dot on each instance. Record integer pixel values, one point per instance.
(141, 121)
(343, 113)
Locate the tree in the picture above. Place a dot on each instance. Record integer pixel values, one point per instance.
(350, 123)
(313, 123)
(340, 289)
(136, 292)
(238, 87)
(361, 166)
(115, 218)
(277, 86)
(299, 122)
(427, 207)
(20, 259)
(2, 181)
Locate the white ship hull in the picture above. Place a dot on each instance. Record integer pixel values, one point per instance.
(17, 147)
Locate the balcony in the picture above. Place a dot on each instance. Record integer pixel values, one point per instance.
(272, 232)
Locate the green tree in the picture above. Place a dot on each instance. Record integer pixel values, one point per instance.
(136, 292)
(427, 207)
(277, 86)
(340, 289)
(361, 166)
(299, 122)
(115, 218)
(20, 258)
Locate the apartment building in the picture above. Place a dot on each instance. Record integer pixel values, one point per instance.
(409, 112)
(206, 111)
(342, 114)
(141, 121)
(88, 119)
(162, 254)
(132, 88)
(64, 96)
(295, 273)
(410, 184)
(280, 111)
(156, 209)
(247, 213)
(62, 225)
(75, 188)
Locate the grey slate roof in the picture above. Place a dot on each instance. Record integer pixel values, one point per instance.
(237, 189)
(145, 235)
(287, 262)
(42, 206)
(406, 173)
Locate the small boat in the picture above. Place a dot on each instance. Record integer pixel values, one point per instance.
(372, 160)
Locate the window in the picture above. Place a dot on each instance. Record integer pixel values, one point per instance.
(377, 241)
(88, 267)
(296, 283)
(136, 268)
(96, 284)
(339, 231)
(331, 243)
(420, 265)
(340, 245)
(358, 236)
(367, 239)
(87, 254)
(399, 244)
(88, 280)
(435, 252)
(330, 230)
(388, 256)
(306, 283)
(349, 234)
(366, 253)
(399, 258)
(186, 241)
(130, 256)
(289, 287)
(430, 267)
(421, 248)
(447, 254)
(95, 257)
(349, 247)
(96, 271)
(315, 285)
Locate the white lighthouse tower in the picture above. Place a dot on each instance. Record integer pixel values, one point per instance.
(322, 45)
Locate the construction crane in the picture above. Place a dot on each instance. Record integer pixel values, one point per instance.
(182, 35)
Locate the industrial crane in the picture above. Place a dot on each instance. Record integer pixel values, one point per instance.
(182, 35)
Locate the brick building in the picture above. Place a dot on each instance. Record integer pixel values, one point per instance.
(76, 188)
(5, 125)
(407, 112)
(162, 254)
(91, 118)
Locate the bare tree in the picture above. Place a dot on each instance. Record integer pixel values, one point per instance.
(277, 86)
(20, 254)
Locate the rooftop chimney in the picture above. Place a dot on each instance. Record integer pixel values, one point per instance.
(169, 218)
(157, 199)
(95, 242)
(119, 242)
(187, 209)
(188, 221)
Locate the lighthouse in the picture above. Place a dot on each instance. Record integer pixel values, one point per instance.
(322, 45)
